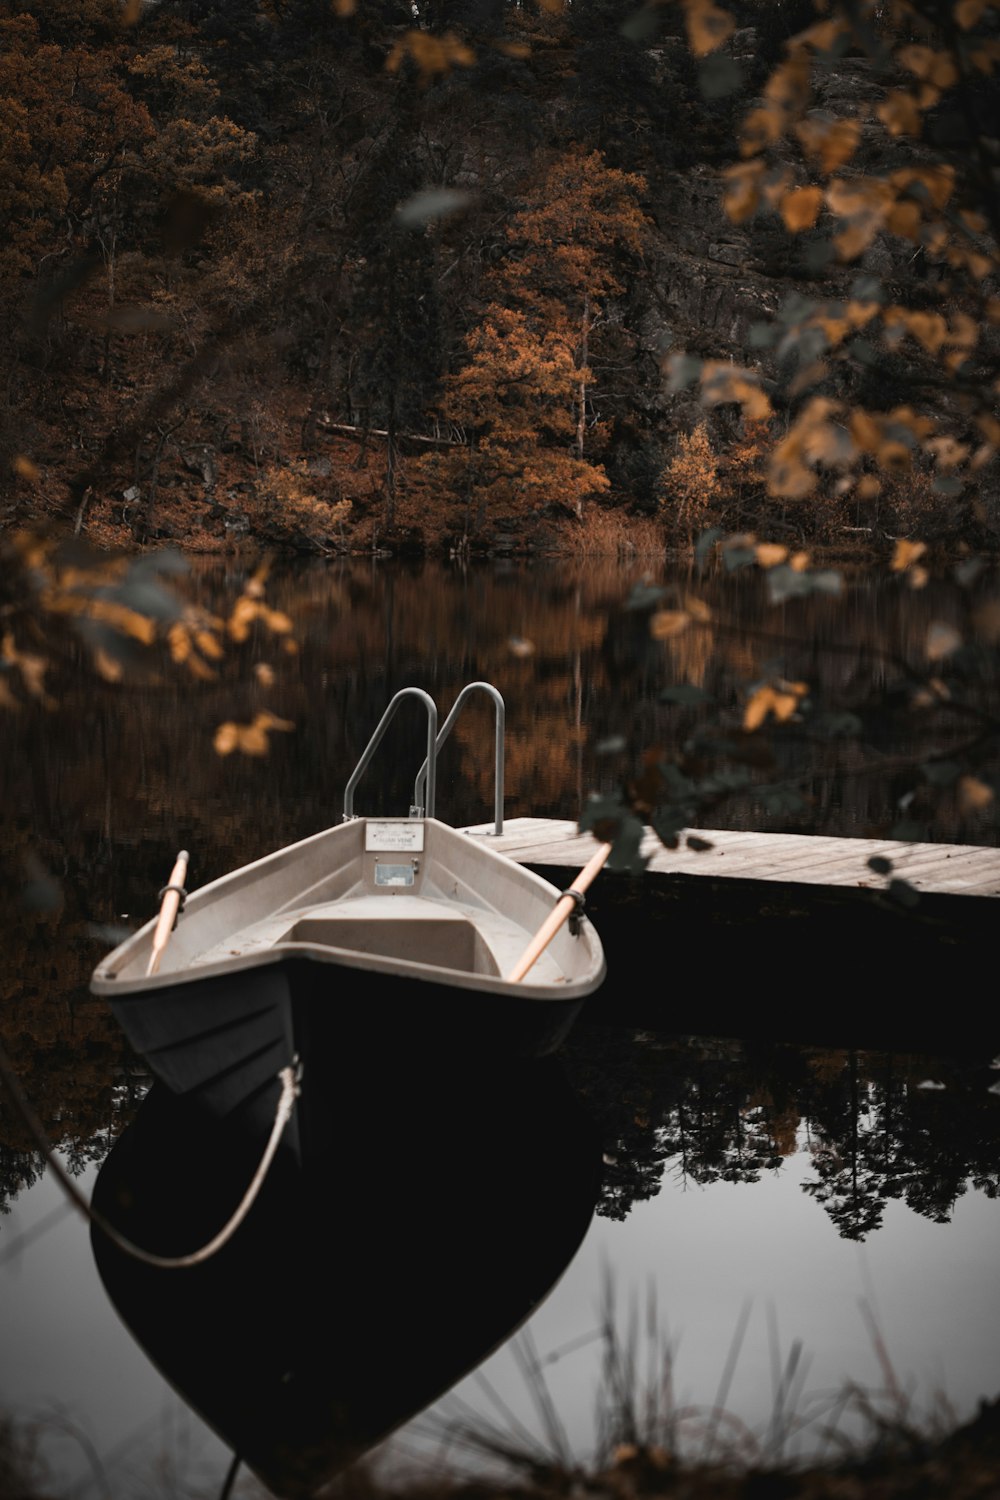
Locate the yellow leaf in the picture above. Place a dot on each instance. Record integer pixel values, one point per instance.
(855, 239)
(929, 64)
(800, 208)
(25, 469)
(268, 720)
(200, 669)
(929, 329)
(948, 451)
(918, 59)
(741, 196)
(179, 642)
(252, 739)
(835, 329)
(979, 265)
(784, 706)
(697, 609)
(963, 331)
(904, 219)
(207, 644)
(821, 35)
(860, 313)
(905, 416)
(789, 478)
(973, 794)
(245, 611)
(938, 181)
(276, 620)
(906, 553)
(788, 85)
(758, 708)
(968, 12)
(666, 623)
(799, 562)
(894, 456)
(227, 737)
(770, 554)
(707, 26)
(831, 143)
(264, 674)
(761, 127)
(917, 577)
(900, 113)
(127, 621)
(106, 666)
(985, 56)
(869, 485)
(864, 429)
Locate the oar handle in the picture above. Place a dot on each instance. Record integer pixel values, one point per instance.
(173, 893)
(566, 904)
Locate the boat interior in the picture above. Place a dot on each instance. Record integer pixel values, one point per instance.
(372, 891)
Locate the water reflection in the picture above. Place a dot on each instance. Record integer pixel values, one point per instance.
(436, 1211)
(876, 1126)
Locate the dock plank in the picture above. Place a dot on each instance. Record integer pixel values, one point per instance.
(785, 858)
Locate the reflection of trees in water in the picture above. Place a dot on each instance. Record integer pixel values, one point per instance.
(713, 1111)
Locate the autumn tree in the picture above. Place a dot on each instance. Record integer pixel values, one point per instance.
(524, 396)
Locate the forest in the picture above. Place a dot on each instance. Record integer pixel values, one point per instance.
(360, 275)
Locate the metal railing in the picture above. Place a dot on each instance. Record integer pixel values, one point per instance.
(425, 786)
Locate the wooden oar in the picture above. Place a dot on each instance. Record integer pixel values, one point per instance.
(563, 908)
(172, 893)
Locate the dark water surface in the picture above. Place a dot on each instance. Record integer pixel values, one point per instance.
(827, 1216)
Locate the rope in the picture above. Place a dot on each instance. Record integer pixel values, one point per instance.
(286, 1103)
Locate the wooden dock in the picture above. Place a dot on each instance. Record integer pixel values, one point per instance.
(786, 858)
(788, 937)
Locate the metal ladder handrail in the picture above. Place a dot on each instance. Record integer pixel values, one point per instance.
(370, 748)
(425, 786)
(445, 730)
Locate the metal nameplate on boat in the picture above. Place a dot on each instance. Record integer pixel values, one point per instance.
(394, 874)
(406, 835)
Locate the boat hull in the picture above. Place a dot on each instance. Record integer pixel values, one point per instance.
(374, 929)
(226, 1037)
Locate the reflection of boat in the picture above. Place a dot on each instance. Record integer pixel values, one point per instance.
(436, 1208)
(401, 924)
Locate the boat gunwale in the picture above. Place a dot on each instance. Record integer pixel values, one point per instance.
(559, 990)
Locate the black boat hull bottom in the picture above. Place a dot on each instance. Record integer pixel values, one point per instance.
(223, 1039)
(435, 1208)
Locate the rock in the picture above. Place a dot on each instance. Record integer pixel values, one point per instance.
(729, 254)
(201, 460)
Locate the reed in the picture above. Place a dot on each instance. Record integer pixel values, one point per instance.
(647, 1443)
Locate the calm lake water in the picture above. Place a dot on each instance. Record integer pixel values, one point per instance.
(773, 1220)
